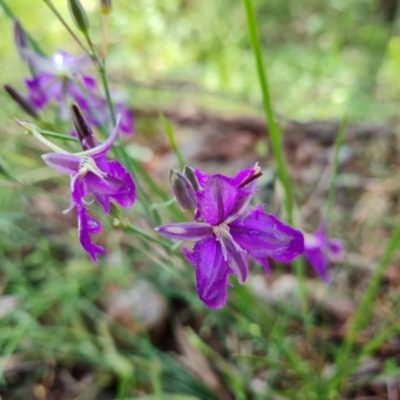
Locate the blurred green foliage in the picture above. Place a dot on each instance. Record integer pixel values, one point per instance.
(324, 58)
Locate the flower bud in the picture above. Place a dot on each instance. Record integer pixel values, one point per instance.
(20, 39)
(22, 101)
(257, 172)
(78, 15)
(85, 133)
(105, 7)
(183, 191)
(189, 173)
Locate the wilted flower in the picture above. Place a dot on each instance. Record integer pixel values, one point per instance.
(227, 235)
(320, 250)
(91, 173)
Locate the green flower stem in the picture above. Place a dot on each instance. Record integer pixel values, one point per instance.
(171, 136)
(274, 132)
(62, 20)
(101, 67)
(275, 138)
(150, 238)
(120, 150)
(55, 135)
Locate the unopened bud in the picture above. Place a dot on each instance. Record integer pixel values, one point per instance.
(22, 101)
(20, 39)
(105, 7)
(183, 191)
(189, 173)
(85, 133)
(78, 15)
(256, 174)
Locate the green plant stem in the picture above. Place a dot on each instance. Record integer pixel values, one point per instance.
(274, 132)
(171, 136)
(275, 137)
(147, 236)
(101, 67)
(56, 135)
(120, 150)
(62, 20)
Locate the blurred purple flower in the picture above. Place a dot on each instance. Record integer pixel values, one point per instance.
(320, 250)
(61, 78)
(228, 235)
(91, 173)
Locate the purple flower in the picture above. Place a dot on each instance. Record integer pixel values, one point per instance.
(227, 235)
(60, 78)
(91, 173)
(320, 250)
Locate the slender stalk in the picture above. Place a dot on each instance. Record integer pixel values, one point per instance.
(62, 20)
(106, 19)
(58, 136)
(171, 136)
(101, 67)
(147, 236)
(275, 137)
(35, 132)
(274, 132)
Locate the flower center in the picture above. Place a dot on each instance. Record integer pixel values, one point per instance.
(220, 230)
(87, 164)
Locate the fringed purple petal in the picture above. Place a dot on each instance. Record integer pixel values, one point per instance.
(86, 224)
(264, 235)
(216, 200)
(212, 272)
(185, 230)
